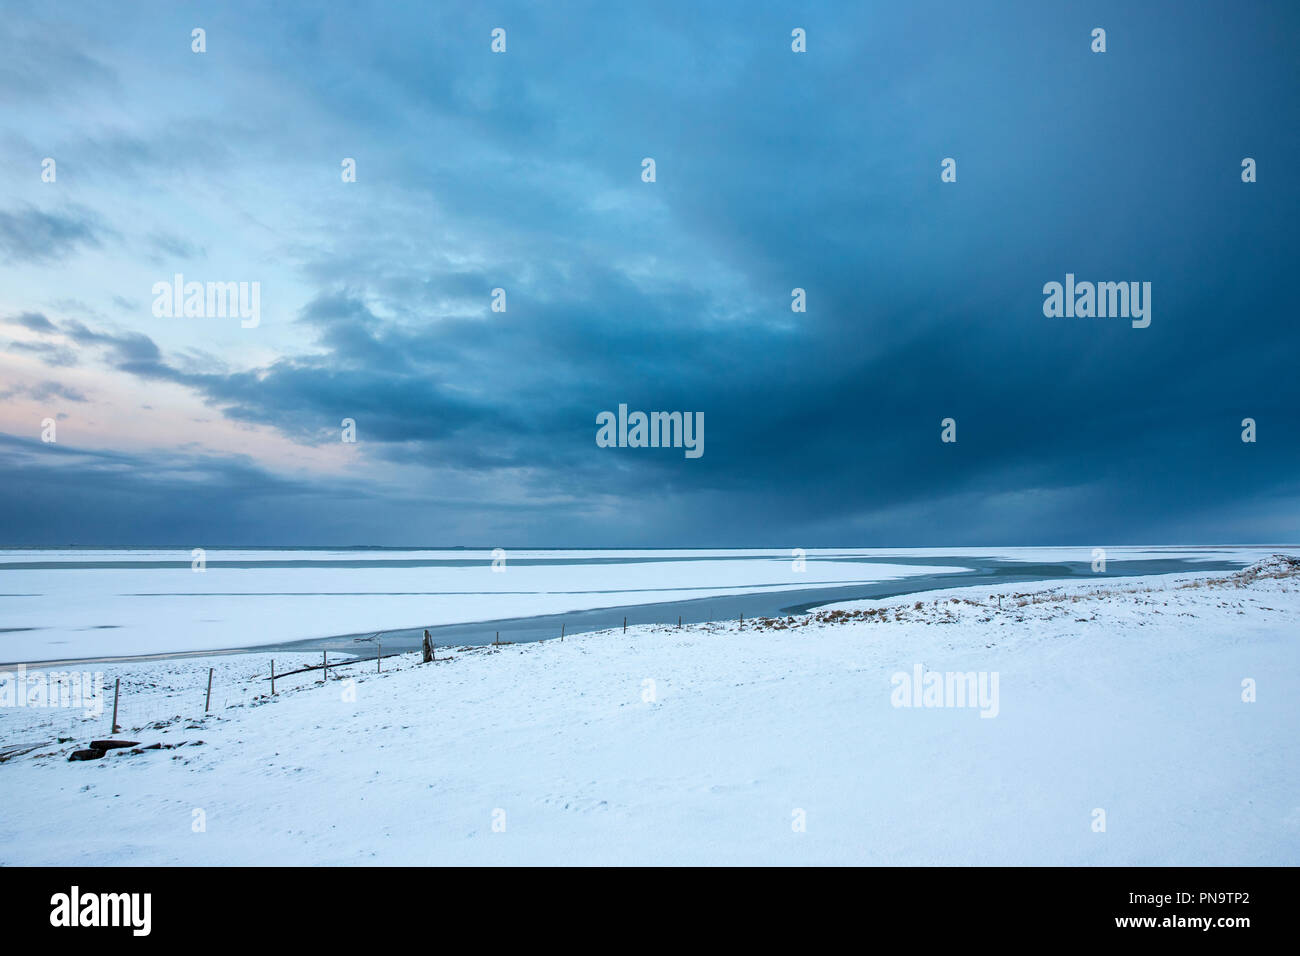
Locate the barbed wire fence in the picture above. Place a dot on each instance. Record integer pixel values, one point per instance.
(63, 705)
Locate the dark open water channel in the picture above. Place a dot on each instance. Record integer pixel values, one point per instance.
(984, 571)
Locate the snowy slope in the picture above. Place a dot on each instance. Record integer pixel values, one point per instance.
(1124, 696)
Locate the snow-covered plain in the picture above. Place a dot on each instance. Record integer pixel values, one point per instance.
(712, 743)
(79, 604)
(70, 612)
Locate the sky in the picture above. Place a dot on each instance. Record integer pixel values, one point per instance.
(522, 170)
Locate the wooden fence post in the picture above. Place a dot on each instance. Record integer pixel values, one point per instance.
(272, 675)
(117, 687)
(624, 625)
(561, 630)
(207, 701)
(379, 657)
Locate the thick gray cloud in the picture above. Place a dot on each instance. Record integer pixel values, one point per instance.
(775, 171)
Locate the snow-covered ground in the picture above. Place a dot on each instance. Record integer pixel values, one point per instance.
(78, 604)
(68, 611)
(1169, 704)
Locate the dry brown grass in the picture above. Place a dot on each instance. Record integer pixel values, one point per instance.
(1274, 567)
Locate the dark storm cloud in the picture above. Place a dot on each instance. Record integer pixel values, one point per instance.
(775, 171)
(195, 500)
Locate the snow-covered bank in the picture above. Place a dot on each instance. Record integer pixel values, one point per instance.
(768, 742)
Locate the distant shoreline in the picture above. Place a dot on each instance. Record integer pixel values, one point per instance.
(994, 573)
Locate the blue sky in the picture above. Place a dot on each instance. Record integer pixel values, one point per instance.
(522, 171)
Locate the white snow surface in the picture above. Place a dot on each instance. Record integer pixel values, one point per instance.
(73, 613)
(708, 744)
